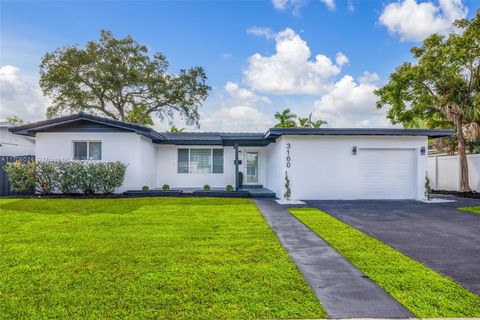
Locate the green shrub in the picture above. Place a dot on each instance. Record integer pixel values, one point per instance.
(88, 177)
(165, 187)
(428, 189)
(21, 176)
(229, 188)
(145, 188)
(206, 187)
(110, 175)
(288, 191)
(68, 176)
(46, 176)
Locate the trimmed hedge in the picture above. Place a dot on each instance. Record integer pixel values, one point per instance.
(66, 176)
(21, 176)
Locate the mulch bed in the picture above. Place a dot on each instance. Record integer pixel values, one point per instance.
(472, 195)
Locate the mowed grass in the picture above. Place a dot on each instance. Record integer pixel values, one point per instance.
(475, 209)
(149, 258)
(423, 291)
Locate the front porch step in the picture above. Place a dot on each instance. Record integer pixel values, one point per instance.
(253, 186)
(259, 192)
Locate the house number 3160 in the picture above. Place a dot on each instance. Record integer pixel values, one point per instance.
(289, 158)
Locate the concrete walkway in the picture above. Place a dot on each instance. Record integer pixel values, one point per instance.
(341, 288)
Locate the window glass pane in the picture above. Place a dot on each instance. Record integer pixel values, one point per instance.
(252, 167)
(217, 160)
(95, 150)
(80, 150)
(200, 160)
(182, 160)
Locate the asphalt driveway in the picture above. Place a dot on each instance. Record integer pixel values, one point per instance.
(437, 235)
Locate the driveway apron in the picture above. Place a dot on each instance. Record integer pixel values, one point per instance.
(341, 288)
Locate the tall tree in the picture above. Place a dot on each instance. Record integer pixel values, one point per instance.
(303, 122)
(443, 84)
(119, 79)
(315, 123)
(308, 122)
(16, 121)
(286, 119)
(175, 129)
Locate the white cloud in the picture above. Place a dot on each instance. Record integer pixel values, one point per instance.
(351, 104)
(296, 5)
(412, 20)
(290, 69)
(243, 96)
(19, 96)
(350, 6)
(238, 118)
(227, 55)
(341, 59)
(329, 3)
(283, 5)
(261, 32)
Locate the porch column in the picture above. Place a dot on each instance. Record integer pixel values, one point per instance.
(235, 147)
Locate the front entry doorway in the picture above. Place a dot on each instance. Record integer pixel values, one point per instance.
(251, 167)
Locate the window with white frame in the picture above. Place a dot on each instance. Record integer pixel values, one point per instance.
(87, 150)
(196, 160)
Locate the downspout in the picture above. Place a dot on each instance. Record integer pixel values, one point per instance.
(235, 147)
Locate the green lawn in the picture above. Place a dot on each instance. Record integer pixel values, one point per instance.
(471, 209)
(424, 292)
(149, 258)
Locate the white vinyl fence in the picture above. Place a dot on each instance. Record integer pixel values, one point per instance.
(444, 172)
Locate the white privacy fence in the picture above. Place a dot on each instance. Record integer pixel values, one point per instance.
(444, 172)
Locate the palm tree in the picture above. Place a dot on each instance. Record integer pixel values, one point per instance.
(285, 119)
(315, 124)
(175, 129)
(304, 122)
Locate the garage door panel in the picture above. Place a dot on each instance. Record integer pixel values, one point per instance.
(387, 174)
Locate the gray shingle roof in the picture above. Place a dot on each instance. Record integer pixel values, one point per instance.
(217, 138)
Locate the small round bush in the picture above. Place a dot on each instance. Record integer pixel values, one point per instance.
(165, 187)
(145, 189)
(206, 187)
(229, 188)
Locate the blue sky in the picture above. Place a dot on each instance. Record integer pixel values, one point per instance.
(324, 57)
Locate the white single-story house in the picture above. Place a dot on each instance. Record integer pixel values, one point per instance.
(321, 163)
(13, 144)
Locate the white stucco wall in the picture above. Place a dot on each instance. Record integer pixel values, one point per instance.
(148, 164)
(275, 170)
(135, 151)
(15, 145)
(167, 165)
(324, 167)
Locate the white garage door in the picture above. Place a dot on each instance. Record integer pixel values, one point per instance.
(387, 173)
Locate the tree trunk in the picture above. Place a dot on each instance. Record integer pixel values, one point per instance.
(462, 155)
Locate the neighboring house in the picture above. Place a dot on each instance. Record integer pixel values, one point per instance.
(321, 163)
(14, 145)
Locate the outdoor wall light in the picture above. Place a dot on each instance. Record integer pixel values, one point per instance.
(422, 151)
(354, 150)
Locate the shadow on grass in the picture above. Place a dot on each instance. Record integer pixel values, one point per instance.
(108, 206)
(73, 206)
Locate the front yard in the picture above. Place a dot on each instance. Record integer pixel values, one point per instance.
(426, 293)
(148, 258)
